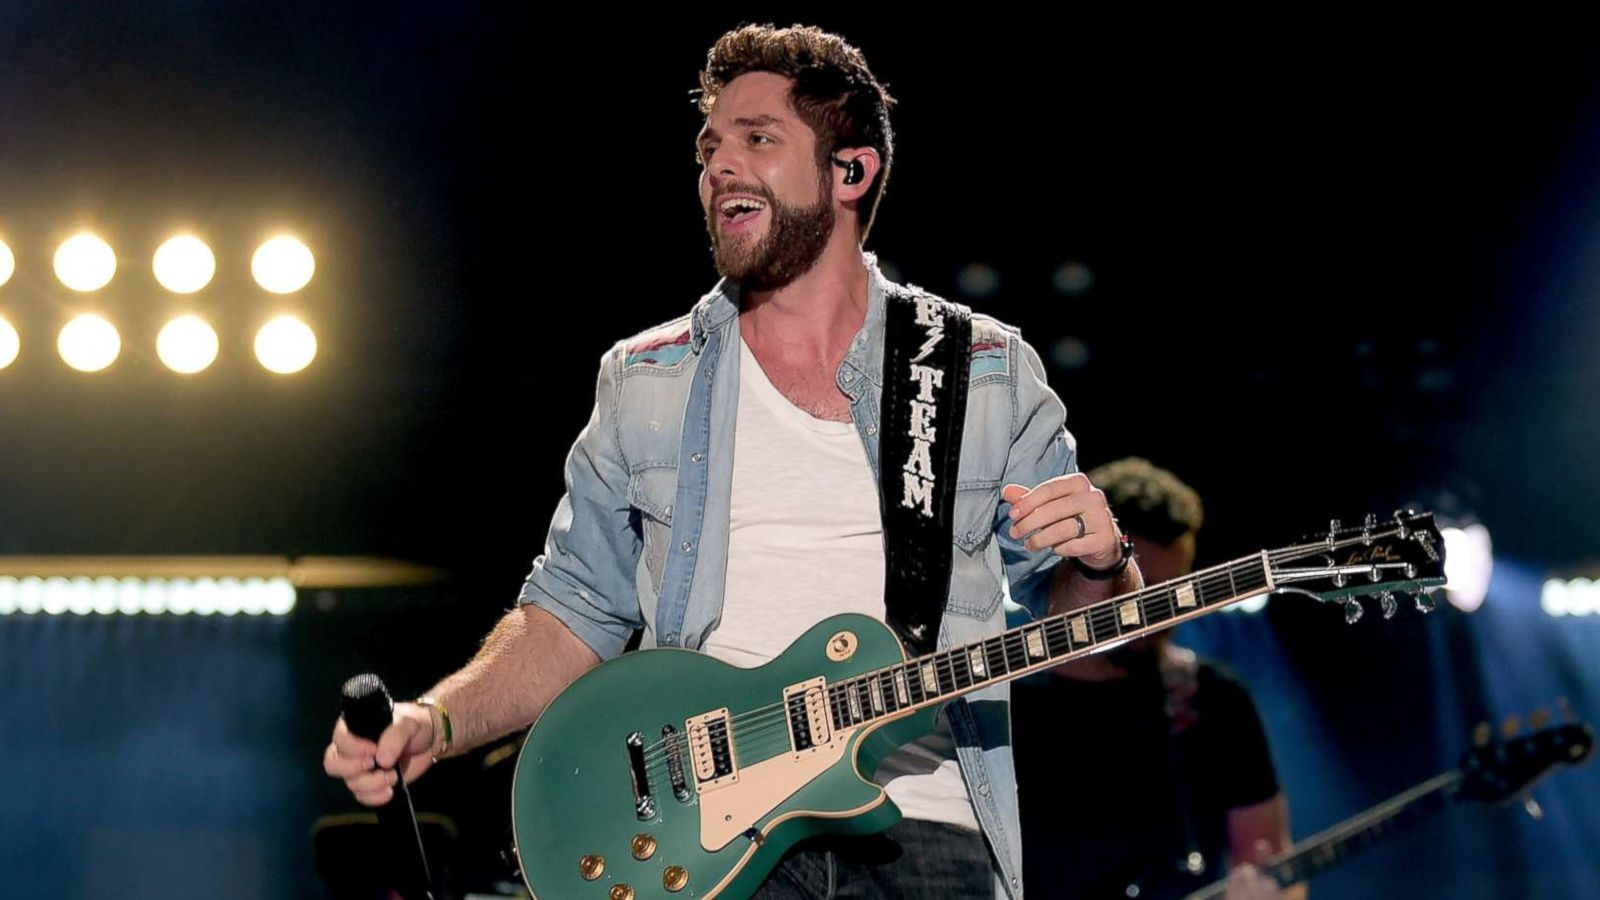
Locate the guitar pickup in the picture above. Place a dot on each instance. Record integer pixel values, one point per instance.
(806, 704)
(711, 750)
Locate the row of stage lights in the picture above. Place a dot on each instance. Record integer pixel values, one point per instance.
(58, 596)
(183, 265)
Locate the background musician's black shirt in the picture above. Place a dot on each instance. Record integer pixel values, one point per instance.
(1095, 772)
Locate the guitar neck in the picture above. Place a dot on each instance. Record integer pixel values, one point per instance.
(1335, 845)
(1049, 642)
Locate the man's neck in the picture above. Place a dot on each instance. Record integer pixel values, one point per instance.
(815, 316)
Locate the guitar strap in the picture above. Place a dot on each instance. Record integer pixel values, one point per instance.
(927, 352)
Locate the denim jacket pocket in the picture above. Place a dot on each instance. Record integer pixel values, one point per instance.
(651, 492)
(975, 589)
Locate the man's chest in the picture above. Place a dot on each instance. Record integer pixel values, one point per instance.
(811, 389)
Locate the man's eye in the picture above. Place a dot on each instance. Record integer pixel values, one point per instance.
(759, 136)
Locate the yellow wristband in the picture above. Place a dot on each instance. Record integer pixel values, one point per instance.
(444, 721)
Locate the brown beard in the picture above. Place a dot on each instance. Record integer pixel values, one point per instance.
(793, 243)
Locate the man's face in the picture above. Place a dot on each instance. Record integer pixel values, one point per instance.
(753, 146)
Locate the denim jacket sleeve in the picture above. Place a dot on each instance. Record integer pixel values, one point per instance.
(585, 577)
(1041, 449)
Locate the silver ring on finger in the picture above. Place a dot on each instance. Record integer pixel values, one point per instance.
(1083, 528)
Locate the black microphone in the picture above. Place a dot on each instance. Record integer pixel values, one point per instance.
(368, 710)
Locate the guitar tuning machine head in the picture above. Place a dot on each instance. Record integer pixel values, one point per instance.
(1400, 521)
(1333, 532)
(1387, 603)
(1367, 525)
(1425, 602)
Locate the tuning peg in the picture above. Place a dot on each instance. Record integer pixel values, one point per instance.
(1333, 532)
(1352, 611)
(1511, 725)
(1425, 602)
(1482, 734)
(1386, 602)
(1367, 525)
(1400, 521)
(1532, 808)
(1540, 718)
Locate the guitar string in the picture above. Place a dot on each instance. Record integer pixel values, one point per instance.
(748, 725)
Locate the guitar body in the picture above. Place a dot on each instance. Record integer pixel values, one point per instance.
(576, 795)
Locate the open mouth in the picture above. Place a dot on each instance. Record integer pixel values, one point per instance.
(738, 212)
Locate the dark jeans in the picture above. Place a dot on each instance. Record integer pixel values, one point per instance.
(914, 859)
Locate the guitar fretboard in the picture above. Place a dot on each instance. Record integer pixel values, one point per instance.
(1042, 644)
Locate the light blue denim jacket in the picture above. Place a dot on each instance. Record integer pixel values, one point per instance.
(640, 540)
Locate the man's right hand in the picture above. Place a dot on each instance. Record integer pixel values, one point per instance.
(368, 769)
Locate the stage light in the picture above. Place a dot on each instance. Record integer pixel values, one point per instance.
(187, 345)
(280, 596)
(85, 263)
(30, 595)
(978, 280)
(229, 596)
(1570, 597)
(56, 591)
(283, 265)
(130, 596)
(184, 264)
(106, 596)
(154, 599)
(285, 345)
(8, 263)
(1073, 278)
(10, 344)
(1468, 563)
(89, 343)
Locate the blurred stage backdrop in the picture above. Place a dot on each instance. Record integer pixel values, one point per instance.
(1317, 264)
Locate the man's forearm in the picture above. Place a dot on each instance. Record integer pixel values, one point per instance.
(527, 660)
(1070, 589)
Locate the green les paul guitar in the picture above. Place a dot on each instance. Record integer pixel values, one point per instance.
(666, 773)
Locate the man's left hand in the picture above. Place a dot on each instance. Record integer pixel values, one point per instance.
(1054, 513)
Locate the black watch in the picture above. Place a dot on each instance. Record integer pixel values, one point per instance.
(1107, 574)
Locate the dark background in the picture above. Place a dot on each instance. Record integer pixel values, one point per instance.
(1341, 262)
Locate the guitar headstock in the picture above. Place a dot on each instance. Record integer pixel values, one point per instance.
(1381, 558)
(1497, 770)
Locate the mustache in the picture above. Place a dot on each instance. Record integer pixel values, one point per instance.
(741, 189)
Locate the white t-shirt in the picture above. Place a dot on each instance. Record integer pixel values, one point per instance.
(805, 542)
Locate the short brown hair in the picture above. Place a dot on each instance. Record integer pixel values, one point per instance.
(834, 92)
(1148, 500)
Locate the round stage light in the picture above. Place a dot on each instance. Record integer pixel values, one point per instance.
(187, 345)
(85, 263)
(10, 343)
(283, 265)
(286, 345)
(8, 263)
(89, 343)
(184, 264)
